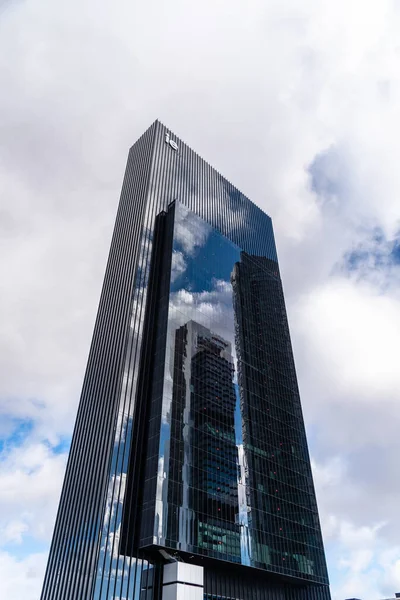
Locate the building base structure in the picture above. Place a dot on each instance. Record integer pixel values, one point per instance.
(182, 581)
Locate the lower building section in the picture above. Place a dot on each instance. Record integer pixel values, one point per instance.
(218, 581)
(236, 583)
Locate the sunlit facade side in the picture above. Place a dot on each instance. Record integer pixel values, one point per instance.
(189, 446)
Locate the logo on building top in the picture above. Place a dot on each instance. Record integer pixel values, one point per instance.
(168, 140)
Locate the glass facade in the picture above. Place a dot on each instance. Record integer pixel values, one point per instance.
(227, 474)
(189, 442)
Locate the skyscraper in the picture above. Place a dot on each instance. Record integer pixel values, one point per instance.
(189, 474)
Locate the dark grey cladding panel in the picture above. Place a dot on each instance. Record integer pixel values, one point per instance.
(74, 546)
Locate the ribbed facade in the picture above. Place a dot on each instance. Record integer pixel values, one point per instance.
(98, 549)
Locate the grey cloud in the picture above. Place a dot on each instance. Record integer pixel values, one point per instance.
(330, 175)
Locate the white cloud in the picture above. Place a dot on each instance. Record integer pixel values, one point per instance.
(363, 566)
(188, 232)
(30, 485)
(22, 578)
(351, 332)
(178, 265)
(212, 309)
(13, 532)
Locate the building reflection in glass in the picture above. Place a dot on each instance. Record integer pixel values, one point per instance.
(283, 518)
(203, 453)
(227, 436)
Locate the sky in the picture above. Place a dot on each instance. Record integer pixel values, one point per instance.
(296, 103)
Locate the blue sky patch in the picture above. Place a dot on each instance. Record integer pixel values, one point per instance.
(374, 255)
(20, 429)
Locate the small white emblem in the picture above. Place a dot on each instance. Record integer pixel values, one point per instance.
(168, 140)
